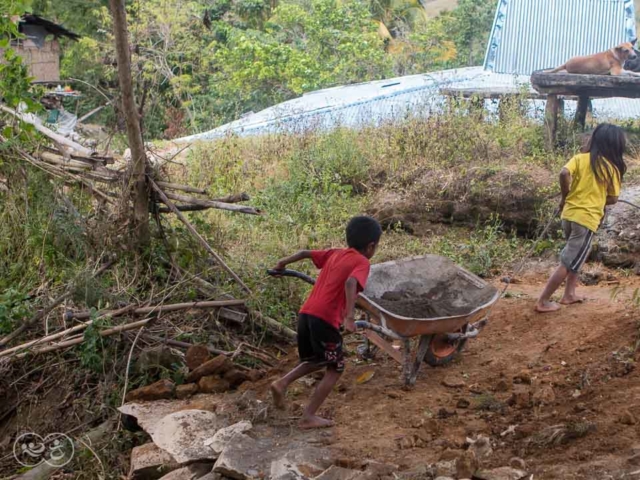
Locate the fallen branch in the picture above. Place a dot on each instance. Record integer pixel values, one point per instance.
(45, 311)
(158, 309)
(274, 326)
(183, 188)
(213, 204)
(235, 198)
(184, 208)
(195, 233)
(47, 132)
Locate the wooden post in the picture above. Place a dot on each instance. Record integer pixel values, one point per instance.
(137, 181)
(551, 121)
(581, 111)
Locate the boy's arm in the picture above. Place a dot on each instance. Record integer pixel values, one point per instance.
(296, 257)
(351, 293)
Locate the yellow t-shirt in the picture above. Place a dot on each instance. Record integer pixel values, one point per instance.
(587, 197)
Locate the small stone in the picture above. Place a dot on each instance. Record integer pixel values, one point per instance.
(149, 462)
(160, 390)
(452, 382)
(463, 403)
(156, 359)
(444, 413)
(480, 447)
(235, 377)
(521, 397)
(523, 377)
(219, 365)
(502, 473)
(544, 396)
(213, 384)
(466, 464)
(446, 468)
(196, 356)
(579, 407)
(502, 386)
(187, 390)
(518, 463)
(627, 418)
(477, 389)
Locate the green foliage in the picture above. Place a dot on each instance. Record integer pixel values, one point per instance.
(14, 308)
(91, 351)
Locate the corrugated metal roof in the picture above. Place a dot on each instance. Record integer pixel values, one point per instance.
(583, 26)
(530, 35)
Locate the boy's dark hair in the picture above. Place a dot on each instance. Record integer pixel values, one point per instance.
(362, 231)
(607, 146)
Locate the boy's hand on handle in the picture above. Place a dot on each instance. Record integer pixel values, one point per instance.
(350, 324)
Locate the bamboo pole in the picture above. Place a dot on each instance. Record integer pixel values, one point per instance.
(195, 233)
(159, 309)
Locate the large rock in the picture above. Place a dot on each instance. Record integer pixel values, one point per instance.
(183, 434)
(196, 356)
(194, 471)
(244, 458)
(187, 390)
(148, 414)
(148, 462)
(219, 365)
(618, 240)
(220, 440)
(160, 390)
(305, 462)
(502, 473)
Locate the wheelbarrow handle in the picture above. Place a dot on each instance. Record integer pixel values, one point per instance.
(292, 273)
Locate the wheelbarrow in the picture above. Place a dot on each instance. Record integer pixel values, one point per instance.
(428, 298)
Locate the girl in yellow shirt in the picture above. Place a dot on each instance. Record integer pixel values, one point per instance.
(589, 182)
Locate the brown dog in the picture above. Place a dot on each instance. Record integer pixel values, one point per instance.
(610, 62)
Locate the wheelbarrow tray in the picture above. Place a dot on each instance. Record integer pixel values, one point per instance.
(432, 278)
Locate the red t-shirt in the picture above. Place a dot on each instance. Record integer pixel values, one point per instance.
(328, 300)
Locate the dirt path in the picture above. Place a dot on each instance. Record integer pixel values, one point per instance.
(574, 367)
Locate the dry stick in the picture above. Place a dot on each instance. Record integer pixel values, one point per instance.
(76, 341)
(184, 188)
(274, 325)
(126, 376)
(61, 334)
(235, 198)
(213, 204)
(195, 233)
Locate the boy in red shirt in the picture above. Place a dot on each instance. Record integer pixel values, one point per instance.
(332, 302)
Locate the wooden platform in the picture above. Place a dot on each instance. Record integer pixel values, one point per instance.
(585, 87)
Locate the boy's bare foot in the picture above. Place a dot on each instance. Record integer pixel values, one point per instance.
(572, 300)
(314, 422)
(277, 392)
(547, 307)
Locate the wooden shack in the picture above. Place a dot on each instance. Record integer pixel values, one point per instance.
(40, 47)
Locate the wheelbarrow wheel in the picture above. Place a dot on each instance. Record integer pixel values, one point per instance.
(442, 351)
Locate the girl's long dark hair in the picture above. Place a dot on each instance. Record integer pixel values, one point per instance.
(607, 145)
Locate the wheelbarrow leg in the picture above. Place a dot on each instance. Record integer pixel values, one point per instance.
(406, 362)
(422, 351)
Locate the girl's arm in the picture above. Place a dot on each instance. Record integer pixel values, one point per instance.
(565, 186)
(296, 257)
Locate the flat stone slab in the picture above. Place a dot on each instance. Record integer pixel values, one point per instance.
(183, 434)
(338, 473)
(149, 462)
(196, 471)
(220, 440)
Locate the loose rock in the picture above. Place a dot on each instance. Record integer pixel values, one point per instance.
(502, 473)
(244, 458)
(222, 437)
(219, 365)
(235, 377)
(521, 397)
(446, 468)
(213, 384)
(523, 377)
(518, 463)
(183, 434)
(463, 403)
(544, 396)
(339, 473)
(480, 447)
(466, 464)
(452, 382)
(148, 462)
(160, 390)
(627, 418)
(187, 390)
(155, 359)
(196, 356)
(192, 472)
(304, 462)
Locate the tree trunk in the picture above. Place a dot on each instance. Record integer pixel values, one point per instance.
(137, 181)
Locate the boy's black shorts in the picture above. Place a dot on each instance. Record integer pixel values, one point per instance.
(319, 342)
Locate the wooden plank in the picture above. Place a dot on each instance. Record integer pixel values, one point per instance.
(551, 121)
(595, 86)
(383, 345)
(581, 111)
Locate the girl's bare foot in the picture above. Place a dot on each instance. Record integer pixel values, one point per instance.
(572, 300)
(546, 307)
(277, 392)
(314, 421)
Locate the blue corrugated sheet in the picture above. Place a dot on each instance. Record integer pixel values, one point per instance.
(527, 35)
(530, 35)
